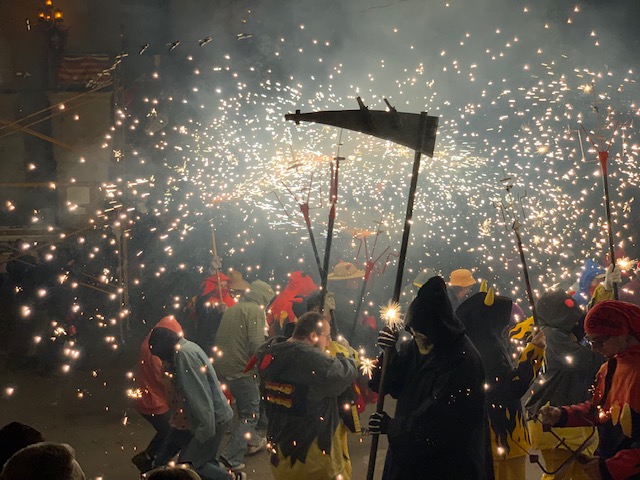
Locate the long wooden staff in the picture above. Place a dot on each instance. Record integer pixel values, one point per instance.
(215, 256)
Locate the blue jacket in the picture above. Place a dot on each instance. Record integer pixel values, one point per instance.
(206, 406)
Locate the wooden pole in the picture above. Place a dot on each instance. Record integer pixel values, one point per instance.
(215, 255)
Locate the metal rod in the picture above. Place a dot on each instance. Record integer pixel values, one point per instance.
(373, 453)
(125, 277)
(41, 136)
(396, 291)
(332, 219)
(304, 208)
(603, 156)
(64, 103)
(38, 247)
(409, 214)
(367, 273)
(327, 249)
(121, 282)
(525, 271)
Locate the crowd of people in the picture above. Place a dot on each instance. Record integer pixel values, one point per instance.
(478, 386)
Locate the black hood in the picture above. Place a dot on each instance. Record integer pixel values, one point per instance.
(485, 327)
(482, 321)
(162, 343)
(431, 314)
(557, 309)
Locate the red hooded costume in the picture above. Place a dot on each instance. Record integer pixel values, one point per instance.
(153, 396)
(615, 407)
(281, 311)
(209, 290)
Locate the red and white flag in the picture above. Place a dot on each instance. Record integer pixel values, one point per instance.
(89, 71)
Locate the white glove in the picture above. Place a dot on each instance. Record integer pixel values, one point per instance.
(329, 301)
(216, 263)
(549, 415)
(613, 275)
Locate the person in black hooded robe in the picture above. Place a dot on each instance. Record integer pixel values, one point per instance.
(440, 428)
(486, 317)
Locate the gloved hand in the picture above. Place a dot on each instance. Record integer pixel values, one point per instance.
(613, 275)
(379, 423)
(387, 338)
(222, 307)
(329, 301)
(216, 263)
(549, 415)
(539, 339)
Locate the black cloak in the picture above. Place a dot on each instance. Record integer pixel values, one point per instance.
(507, 381)
(440, 428)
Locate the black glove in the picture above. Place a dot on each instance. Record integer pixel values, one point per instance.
(379, 423)
(387, 338)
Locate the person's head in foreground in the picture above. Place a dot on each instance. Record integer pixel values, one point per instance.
(172, 473)
(163, 343)
(15, 436)
(43, 461)
(612, 327)
(312, 328)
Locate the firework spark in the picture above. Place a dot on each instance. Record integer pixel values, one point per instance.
(366, 366)
(392, 315)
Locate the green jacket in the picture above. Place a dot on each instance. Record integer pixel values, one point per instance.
(242, 330)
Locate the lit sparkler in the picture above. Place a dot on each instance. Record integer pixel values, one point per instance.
(366, 366)
(625, 263)
(392, 315)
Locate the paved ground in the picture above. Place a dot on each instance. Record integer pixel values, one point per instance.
(90, 411)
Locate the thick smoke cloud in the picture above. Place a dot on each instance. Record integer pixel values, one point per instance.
(506, 79)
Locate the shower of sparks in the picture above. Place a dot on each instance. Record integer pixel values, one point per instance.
(206, 139)
(134, 393)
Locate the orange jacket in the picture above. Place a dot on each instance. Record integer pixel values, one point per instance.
(153, 398)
